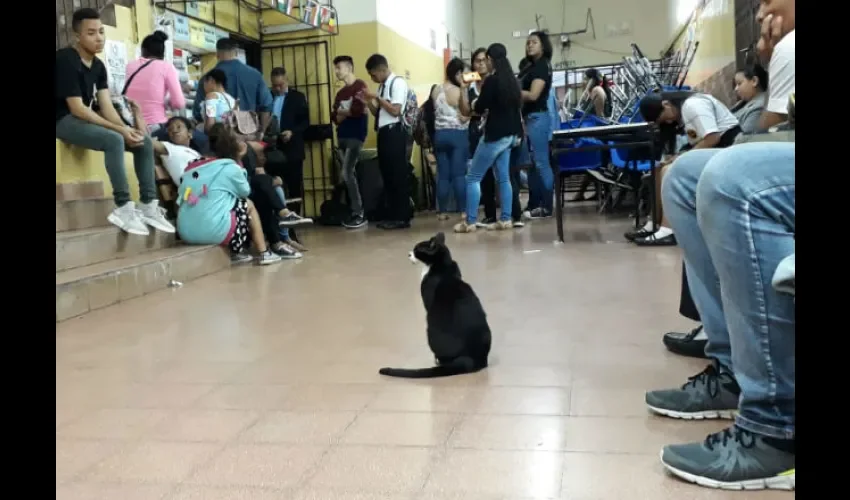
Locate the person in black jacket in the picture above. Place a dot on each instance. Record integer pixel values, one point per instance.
(292, 115)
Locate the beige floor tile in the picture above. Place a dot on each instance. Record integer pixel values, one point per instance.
(190, 492)
(75, 457)
(100, 491)
(421, 398)
(112, 424)
(634, 435)
(400, 429)
(247, 384)
(152, 462)
(244, 397)
(204, 425)
(259, 466)
(329, 397)
(510, 432)
(372, 469)
(520, 401)
(590, 476)
(320, 428)
(519, 473)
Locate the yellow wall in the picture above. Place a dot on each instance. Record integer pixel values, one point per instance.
(713, 25)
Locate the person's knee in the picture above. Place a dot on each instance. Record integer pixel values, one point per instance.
(679, 180)
(112, 141)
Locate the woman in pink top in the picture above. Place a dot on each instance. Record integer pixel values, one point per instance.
(154, 80)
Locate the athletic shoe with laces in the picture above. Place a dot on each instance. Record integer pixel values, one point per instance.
(126, 217)
(292, 219)
(154, 215)
(463, 227)
(240, 258)
(537, 213)
(268, 257)
(734, 459)
(284, 251)
(710, 394)
(691, 344)
(502, 225)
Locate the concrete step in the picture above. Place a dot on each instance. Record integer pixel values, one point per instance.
(96, 286)
(83, 214)
(85, 190)
(83, 247)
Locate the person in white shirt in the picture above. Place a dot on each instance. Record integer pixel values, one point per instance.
(776, 47)
(176, 153)
(707, 124)
(387, 105)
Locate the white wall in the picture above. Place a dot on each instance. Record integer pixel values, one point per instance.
(415, 20)
(355, 11)
(617, 22)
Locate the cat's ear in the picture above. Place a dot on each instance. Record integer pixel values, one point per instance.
(440, 238)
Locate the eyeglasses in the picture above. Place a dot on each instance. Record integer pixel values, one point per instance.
(479, 60)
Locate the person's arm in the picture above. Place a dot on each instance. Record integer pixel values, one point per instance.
(238, 177)
(463, 104)
(210, 111)
(708, 141)
(138, 117)
(159, 148)
(781, 83)
(198, 105)
(533, 93)
(397, 98)
(699, 119)
(176, 99)
(264, 106)
(358, 108)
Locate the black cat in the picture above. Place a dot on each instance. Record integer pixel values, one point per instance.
(458, 333)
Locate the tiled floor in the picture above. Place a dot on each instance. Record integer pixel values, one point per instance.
(262, 383)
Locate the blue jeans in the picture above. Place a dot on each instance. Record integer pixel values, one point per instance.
(284, 231)
(541, 180)
(498, 155)
(451, 147)
(733, 214)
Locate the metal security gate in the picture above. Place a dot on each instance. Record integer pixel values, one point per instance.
(308, 65)
(65, 10)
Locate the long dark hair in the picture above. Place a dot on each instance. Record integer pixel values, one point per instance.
(545, 43)
(599, 79)
(455, 66)
(503, 76)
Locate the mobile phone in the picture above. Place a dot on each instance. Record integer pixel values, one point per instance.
(470, 77)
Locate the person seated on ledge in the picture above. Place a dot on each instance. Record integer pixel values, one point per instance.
(734, 213)
(214, 208)
(269, 200)
(708, 123)
(751, 89)
(85, 117)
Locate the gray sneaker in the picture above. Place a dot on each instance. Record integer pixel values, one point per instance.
(268, 257)
(734, 459)
(241, 258)
(711, 394)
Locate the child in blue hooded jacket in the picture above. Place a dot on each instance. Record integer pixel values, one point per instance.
(214, 208)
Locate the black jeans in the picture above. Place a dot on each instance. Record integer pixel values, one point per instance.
(687, 308)
(268, 205)
(395, 170)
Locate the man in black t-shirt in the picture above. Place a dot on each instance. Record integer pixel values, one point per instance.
(86, 117)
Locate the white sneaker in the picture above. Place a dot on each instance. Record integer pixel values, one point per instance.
(127, 218)
(154, 215)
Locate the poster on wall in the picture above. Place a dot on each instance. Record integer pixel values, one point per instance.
(310, 13)
(115, 57)
(182, 33)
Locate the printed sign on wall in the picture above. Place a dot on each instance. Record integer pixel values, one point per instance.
(115, 58)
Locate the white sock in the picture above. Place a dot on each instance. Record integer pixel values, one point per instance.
(662, 232)
(648, 226)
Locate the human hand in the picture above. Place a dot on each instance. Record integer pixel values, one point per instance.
(286, 135)
(277, 181)
(771, 33)
(134, 106)
(259, 171)
(367, 94)
(132, 137)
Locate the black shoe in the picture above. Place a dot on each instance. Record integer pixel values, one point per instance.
(394, 224)
(686, 344)
(355, 221)
(486, 222)
(653, 241)
(637, 234)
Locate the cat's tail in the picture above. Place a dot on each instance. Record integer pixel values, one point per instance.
(456, 367)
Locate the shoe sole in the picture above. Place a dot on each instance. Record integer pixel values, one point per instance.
(159, 227)
(115, 221)
(269, 261)
(241, 261)
(302, 222)
(785, 482)
(356, 227)
(700, 415)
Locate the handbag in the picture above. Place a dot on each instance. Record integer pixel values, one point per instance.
(244, 124)
(119, 102)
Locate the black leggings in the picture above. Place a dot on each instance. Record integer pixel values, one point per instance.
(268, 205)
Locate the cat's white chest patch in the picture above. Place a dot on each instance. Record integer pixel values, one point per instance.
(425, 270)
